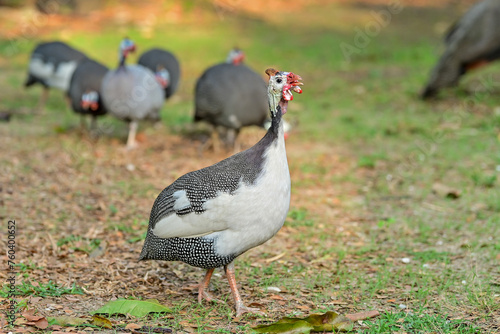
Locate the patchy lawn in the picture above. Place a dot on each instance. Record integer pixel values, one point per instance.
(395, 202)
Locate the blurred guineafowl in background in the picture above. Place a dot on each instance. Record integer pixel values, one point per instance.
(165, 66)
(85, 90)
(209, 217)
(230, 96)
(52, 64)
(132, 92)
(471, 42)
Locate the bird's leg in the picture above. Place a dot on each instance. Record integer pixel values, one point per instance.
(203, 288)
(216, 140)
(43, 100)
(232, 142)
(94, 132)
(83, 126)
(93, 123)
(131, 135)
(238, 302)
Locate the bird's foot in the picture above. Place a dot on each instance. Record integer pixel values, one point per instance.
(131, 146)
(94, 134)
(208, 297)
(242, 309)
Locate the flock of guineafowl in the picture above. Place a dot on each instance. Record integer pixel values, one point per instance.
(209, 217)
(137, 92)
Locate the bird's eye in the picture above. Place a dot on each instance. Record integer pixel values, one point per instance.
(279, 80)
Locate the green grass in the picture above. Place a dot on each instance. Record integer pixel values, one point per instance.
(49, 289)
(418, 323)
(79, 243)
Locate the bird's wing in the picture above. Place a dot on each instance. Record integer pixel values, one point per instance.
(196, 204)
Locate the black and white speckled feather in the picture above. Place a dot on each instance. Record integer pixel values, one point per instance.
(199, 252)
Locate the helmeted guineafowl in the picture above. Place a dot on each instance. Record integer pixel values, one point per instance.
(85, 90)
(132, 93)
(230, 96)
(208, 217)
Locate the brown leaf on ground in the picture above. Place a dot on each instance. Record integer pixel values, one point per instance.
(133, 326)
(42, 323)
(25, 330)
(276, 297)
(363, 315)
(30, 316)
(446, 191)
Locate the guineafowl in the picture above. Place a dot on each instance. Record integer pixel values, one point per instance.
(208, 217)
(165, 66)
(472, 42)
(84, 90)
(132, 92)
(52, 64)
(230, 96)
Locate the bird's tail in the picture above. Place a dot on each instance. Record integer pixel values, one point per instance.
(30, 80)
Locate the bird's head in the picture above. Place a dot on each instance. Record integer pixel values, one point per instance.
(90, 100)
(280, 89)
(235, 56)
(162, 76)
(126, 46)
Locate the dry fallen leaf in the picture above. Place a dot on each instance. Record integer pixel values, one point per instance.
(41, 323)
(132, 326)
(99, 321)
(31, 317)
(363, 315)
(446, 191)
(276, 297)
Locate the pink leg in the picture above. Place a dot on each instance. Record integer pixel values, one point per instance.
(238, 302)
(202, 290)
(131, 143)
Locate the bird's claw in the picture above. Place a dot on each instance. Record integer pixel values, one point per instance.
(208, 297)
(242, 309)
